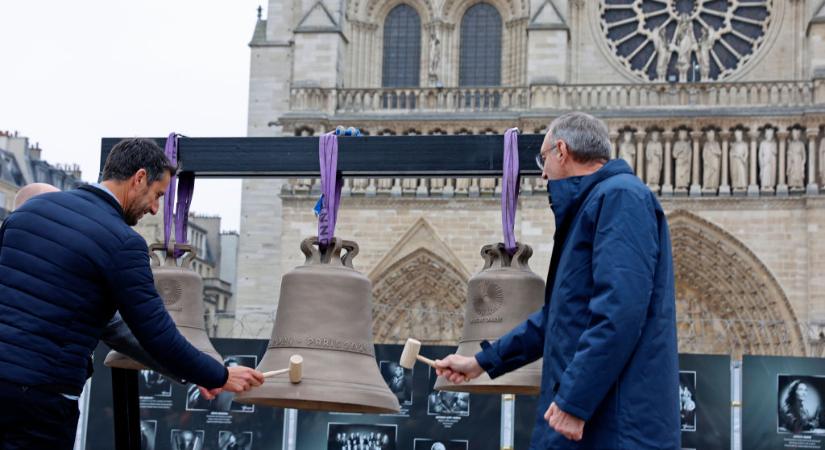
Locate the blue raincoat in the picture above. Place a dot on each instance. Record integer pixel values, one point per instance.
(607, 330)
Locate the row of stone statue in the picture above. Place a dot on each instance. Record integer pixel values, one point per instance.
(711, 161)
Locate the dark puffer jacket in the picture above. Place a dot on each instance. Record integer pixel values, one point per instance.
(68, 261)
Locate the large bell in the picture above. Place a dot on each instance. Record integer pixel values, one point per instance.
(499, 297)
(325, 315)
(181, 289)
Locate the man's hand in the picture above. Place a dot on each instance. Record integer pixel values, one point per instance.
(565, 424)
(458, 368)
(209, 394)
(242, 379)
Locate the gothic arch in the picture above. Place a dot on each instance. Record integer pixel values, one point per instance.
(727, 301)
(453, 10)
(377, 11)
(421, 295)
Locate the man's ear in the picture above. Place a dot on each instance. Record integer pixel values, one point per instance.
(140, 176)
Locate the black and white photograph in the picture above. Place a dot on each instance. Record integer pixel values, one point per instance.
(223, 402)
(148, 433)
(431, 444)
(687, 400)
(399, 380)
(153, 384)
(187, 439)
(446, 403)
(351, 436)
(799, 408)
(230, 440)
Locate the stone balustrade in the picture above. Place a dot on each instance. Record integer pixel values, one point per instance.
(587, 97)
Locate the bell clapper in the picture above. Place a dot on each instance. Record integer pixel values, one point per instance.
(296, 363)
(410, 353)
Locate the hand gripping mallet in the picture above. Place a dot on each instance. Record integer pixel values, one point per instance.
(410, 354)
(296, 363)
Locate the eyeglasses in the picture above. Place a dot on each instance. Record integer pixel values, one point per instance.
(540, 159)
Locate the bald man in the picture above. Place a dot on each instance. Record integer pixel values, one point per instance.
(117, 334)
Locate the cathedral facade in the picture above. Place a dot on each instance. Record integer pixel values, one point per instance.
(719, 106)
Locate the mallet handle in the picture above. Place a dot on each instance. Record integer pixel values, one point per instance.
(426, 360)
(272, 373)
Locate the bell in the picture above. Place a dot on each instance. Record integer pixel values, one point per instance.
(499, 298)
(181, 289)
(325, 315)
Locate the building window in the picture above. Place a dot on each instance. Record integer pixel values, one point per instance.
(402, 48)
(480, 60)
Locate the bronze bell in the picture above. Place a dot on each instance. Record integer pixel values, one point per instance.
(325, 315)
(181, 289)
(499, 298)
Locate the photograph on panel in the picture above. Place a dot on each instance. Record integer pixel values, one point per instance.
(354, 436)
(222, 402)
(687, 400)
(799, 404)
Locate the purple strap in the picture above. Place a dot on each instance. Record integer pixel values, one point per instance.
(510, 188)
(331, 184)
(185, 188)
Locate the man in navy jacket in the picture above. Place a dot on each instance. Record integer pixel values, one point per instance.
(68, 261)
(607, 330)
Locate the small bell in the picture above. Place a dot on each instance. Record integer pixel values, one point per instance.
(500, 297)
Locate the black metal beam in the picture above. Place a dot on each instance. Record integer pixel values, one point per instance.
(453, 155)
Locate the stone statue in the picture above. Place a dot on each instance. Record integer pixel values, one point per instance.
(767, 160)
(739, 161)
(627, 149)
(435, 54)
(685, 44)
(703, 54)
(796, 160)
(822, 162)
(653, 156)
(711, 159)
(683, 155)
(663, 50)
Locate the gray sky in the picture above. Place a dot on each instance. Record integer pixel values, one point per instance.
(75, 71)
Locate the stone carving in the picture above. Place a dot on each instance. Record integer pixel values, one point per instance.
(663, 50)
(712, 160)
(653, 156)
(739, 161)
(704, 46)
(435, 54)
(683, 154)
(767, 160)
(796, 160)
(685, 44)
(627, 149)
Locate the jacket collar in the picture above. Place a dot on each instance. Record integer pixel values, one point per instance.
(567, 195)
(106, 197)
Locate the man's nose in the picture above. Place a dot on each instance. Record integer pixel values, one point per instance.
(155, 206)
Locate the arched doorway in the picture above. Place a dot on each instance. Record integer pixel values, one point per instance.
(726, 299)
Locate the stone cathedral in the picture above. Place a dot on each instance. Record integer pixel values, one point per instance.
(718, 105)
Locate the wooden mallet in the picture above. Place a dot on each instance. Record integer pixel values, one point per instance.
(296, 363)
(410, 354)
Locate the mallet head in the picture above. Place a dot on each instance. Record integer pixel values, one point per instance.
(410, 353)
(296, 363)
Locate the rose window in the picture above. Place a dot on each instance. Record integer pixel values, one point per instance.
(685, 40)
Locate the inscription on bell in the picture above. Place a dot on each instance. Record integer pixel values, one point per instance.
(487, 320)
(170, 291)
(488, 298)
(323, 343)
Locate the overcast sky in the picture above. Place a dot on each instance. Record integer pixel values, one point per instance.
(72, 72)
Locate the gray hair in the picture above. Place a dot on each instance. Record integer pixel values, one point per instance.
(585, 136)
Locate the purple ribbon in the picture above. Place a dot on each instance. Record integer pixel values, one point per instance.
(331, 184)
(185, 187)
(510, 182)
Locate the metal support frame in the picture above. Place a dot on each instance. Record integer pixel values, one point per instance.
(283, 157)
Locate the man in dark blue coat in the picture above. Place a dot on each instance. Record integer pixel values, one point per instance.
(607, 330)
(68, 261)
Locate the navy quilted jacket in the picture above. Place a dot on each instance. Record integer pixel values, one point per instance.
(68, 261)
(608, 328)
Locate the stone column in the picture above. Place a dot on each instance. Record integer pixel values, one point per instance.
(667, 161)
(614, 141)
(696, 181)
(640, 154)
(724, 187)
(781, 184)
(812, 133)
(753, 188)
